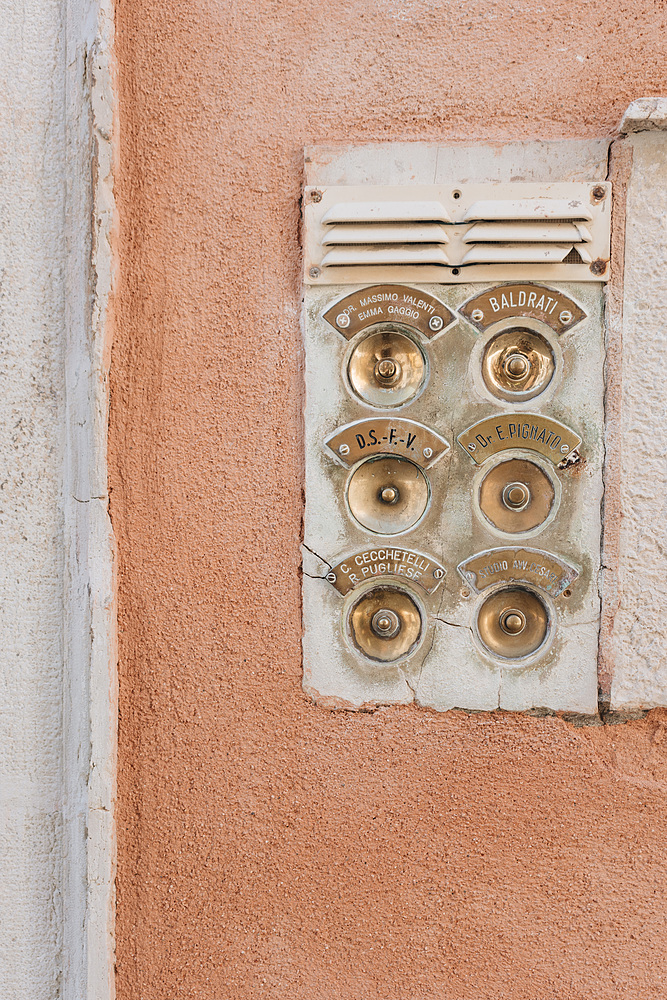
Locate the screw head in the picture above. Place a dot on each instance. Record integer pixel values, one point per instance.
(436, 323)
(564, 449)
(598, 267)
(428, 452)
(438, 574)
(331, 577)
(314, 272)
(342, 320)
(316, 196)
(566, 316)
(477, 315)
(599, 192)
(344, 449)
(471, 447)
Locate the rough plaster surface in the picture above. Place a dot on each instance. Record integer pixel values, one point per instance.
(32, 451)
(639, 638)
(268, 847)
(57, 716)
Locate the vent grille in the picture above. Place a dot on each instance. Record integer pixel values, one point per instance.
(477, 233)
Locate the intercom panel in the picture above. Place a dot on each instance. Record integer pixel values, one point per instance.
(454, 451)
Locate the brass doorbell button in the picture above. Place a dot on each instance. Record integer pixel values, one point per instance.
(516, 367)
(516, 496)
(517, 364)
(513, 623)
(387, 368)
(387, 495)
(385, 624)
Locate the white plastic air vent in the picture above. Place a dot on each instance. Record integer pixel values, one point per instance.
(476, 232)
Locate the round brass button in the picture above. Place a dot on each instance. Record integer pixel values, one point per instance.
(387, 495)
(516, 496)
(387, 371)
(513, 622)
(517, 364)
(517, 367)
(385, 624)
(387, 368)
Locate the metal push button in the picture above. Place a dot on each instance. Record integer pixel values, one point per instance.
(513, 623)
(385, 624)
(516, 496)
(517, 364)
(387, 495)
(387, 368)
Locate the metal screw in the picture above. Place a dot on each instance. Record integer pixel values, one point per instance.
(314, 272)
(465, 593)
(438, 574)
(598, 266)
(428, 452)
(477, 315)
(436, 323)
(566, 316)
(344, 449)
(331, 577)
(564, 449)
(599, 192)
(471, 447)
(342, 320)
(316, 196)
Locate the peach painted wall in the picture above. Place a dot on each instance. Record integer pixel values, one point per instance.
(268, 848)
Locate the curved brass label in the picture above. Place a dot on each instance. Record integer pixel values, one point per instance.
(530, 431)
(389, 304)
(549, 305)
(405, 564)
(518, 565)
(385, 436)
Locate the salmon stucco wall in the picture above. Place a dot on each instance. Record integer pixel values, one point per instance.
(267, 847)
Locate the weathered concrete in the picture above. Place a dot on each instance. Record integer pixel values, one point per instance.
(639, 640)
(57, 721)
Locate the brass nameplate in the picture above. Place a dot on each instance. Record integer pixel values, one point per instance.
(530, 431)
(518, 565)
(404, 563)
(389, 304)
(548, 305)
(385, 436)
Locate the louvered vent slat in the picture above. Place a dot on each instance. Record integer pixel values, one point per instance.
(413, 232)
(528, 208)
(521, 253)
(526, 232)
(368, 256)
(474, 232)
(387, 211)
